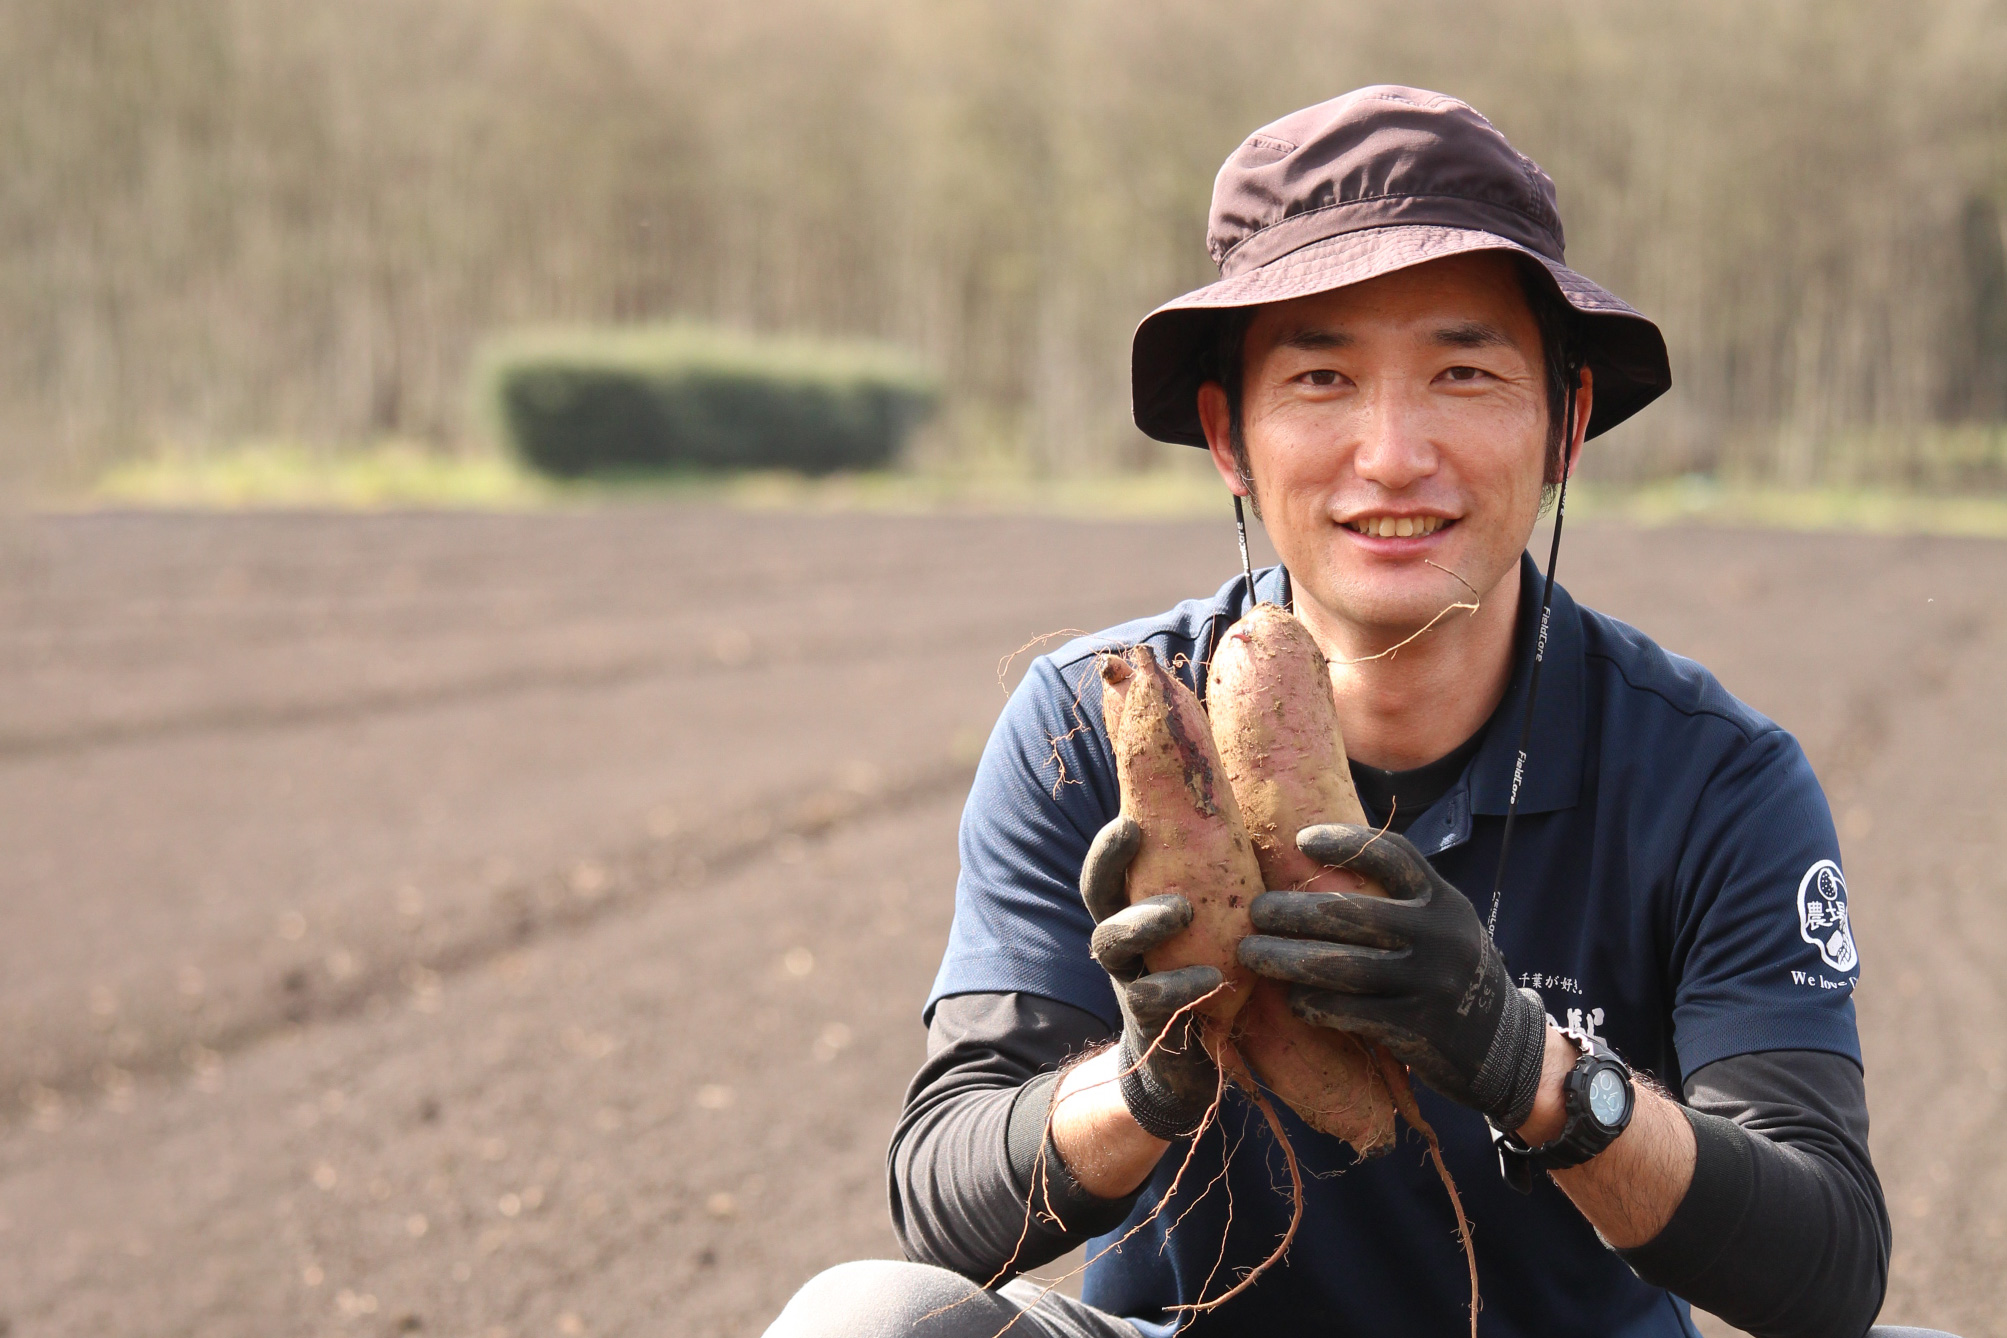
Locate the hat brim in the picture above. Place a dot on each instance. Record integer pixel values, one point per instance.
(1170, 356)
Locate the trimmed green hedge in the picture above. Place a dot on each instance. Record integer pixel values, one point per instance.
(578, 403)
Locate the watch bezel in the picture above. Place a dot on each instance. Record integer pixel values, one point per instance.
(1576, 1098)
(1583, 1081)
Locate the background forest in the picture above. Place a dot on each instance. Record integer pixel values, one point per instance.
(225, 219)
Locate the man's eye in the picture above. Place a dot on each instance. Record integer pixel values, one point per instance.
(1322, 377)
(1463, 373)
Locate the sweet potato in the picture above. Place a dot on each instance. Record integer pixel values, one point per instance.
(1268, 694)
(1269, 697)
(1194, 843)
(1276, 721)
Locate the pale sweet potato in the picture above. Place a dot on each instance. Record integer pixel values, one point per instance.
(1276, 724)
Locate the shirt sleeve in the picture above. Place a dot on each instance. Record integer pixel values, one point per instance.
(1045, 785)
(1783, 1231)
(972, 1144)
(1762, 947)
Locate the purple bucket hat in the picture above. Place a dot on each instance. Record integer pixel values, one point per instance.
(1375, 181)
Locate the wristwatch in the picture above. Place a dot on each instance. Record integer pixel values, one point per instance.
(1599, 1099)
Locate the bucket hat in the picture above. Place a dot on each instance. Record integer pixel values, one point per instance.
(1375, 181)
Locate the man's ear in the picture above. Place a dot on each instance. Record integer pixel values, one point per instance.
(1217, 420)
(1585, 404)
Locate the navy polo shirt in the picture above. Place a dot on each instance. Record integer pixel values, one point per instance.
(1674, 887)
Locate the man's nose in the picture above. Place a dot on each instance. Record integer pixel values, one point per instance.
(1395, 448)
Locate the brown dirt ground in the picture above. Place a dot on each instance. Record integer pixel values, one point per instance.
(515, 926)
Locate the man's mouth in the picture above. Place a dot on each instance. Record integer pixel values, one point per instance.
(1396, 527)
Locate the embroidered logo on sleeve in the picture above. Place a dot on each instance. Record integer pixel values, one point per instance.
(1822, 916)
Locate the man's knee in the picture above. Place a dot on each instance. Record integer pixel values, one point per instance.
(886, 1298)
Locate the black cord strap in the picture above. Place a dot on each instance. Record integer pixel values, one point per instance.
(1539, 658)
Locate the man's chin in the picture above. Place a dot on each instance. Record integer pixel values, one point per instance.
(1386, 599)
(1390, 619)
(1398, 599)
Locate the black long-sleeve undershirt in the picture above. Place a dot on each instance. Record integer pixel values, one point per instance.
(1783, 1232)
(959, 1179)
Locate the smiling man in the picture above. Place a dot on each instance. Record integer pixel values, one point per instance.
(1632, 1023)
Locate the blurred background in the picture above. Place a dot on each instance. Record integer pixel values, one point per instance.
(300, 220)
(516, 519)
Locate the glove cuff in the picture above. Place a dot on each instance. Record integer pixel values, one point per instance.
(1160, 1111)
(1509, 1078)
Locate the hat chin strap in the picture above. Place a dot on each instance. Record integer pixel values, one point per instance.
(1240, 531)
(1539, 651)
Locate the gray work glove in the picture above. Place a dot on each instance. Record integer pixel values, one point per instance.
(1170, 1090)
(1414, 971)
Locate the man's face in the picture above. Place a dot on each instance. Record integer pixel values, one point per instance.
(1391, 425)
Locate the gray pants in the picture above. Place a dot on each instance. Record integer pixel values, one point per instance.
(882, 1298)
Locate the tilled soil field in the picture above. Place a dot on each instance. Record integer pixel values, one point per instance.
(509, 926)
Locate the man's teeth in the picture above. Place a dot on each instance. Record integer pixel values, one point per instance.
(1404, 527)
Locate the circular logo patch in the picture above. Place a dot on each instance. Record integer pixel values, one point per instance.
(1822, 916)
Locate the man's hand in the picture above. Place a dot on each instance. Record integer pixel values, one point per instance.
(1169, 1081)
(1414, 971)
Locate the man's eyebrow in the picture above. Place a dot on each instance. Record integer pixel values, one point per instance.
(1473, 334)
(1311, 340)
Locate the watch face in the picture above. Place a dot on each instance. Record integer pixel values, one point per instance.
(1607, 1098)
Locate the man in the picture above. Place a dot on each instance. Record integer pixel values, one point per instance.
(1397, 369)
